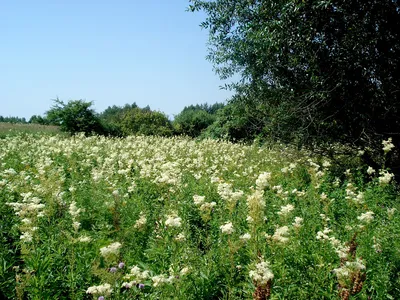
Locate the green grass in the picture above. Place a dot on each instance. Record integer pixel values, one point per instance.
(78, 214)
(11, 129)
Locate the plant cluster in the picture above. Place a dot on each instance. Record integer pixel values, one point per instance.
(173, 218)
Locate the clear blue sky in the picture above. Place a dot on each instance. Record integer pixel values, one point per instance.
(151, 52)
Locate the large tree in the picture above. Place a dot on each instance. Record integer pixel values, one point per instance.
(336, 64)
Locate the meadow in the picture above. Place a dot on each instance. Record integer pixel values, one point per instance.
(8, 129)
(175, 218)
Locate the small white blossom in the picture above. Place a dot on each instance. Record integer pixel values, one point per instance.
(227, 228)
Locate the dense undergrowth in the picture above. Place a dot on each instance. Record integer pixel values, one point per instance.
(174, 218)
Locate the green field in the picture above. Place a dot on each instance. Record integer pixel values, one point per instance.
(7, 129)
(174, 218)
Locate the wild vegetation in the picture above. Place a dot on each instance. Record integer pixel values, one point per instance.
(287, 191)
(174, 218)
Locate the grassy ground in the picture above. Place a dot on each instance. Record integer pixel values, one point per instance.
(9, 129)
(173, 218)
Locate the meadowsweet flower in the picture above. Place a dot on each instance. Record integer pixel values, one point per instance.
(180, 237)
(26, 237)
(245, 237)
(184, 271)
(84, 239)
(391, 211)
(385, 177)
(227, 228)
(262, 274)
(366, 217)
(387, 145)
(249, 219)
(262, 180)
(173, 221)
(280, 235)
(370, 170)
(207, 206)
(137, 274)
(298, 222)
(76, 225)
(198, 200)
(104, 289)
(141, 222)
(110, 249)
(161, 279)
(74, 211)
(285, 210)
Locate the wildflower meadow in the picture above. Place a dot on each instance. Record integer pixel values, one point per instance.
(175, 218)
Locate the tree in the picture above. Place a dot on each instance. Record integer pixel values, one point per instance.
(145, 122)
(334, 64)
(194, 119)
(74, 117)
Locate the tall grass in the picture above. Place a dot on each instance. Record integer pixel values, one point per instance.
(173, 218)
(7, 129)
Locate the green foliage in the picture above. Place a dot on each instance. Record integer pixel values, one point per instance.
(136, 121)
(74, 117)
(35, 119)
(65, 200)
(334, 63)
(12, 120)
(193, 120)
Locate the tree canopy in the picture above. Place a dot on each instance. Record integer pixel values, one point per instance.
(337, 62)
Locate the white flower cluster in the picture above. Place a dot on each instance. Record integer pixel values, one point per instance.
(180, 237)
(104, 290)
(280, 235)
(173, 220)
(387, 145)
(340, 248)
(227, 228)
(262, 274)
(262, 180)
(135, 275)
(370, 170)
(198, 200)
(74, 211)
(112, 249)
(285, 210)
(141, 222)
(245, 237)
(29, 210)
(385, 177)
(367, 217)
(289, 169)
(226, 192)
(205, 207)
(298, 222)
(353, 195)
(162, 279)
(349, 269)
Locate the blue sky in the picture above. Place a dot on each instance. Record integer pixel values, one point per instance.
(111, 52)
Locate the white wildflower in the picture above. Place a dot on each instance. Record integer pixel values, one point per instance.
(110, 249)
(227, 228)
(370, 170)
(262, 274)
(245, 237)
(387, 145)
(366, 217)
(285, 210)
(385, 177)
(298, 222)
